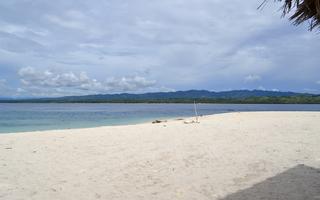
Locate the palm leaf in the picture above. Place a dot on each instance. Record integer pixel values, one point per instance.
(305, 10)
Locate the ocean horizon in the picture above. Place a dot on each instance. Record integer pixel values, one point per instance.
(25, 117)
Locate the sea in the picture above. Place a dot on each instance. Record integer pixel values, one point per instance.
(22, 117)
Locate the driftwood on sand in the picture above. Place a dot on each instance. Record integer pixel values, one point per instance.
(158, 121)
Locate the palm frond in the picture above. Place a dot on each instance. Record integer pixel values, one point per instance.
(305, 10)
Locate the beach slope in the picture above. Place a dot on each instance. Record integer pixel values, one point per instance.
(231, 156)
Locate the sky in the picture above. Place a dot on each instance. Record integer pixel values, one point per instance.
(78, 47)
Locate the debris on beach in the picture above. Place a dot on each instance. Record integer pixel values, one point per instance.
(158, 121)
(191, 122)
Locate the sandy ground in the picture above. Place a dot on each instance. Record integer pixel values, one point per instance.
(258, 155)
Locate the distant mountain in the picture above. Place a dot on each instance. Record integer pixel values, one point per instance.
(234, 96)
(190, 94)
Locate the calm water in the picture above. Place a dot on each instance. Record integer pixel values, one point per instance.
(34, 117)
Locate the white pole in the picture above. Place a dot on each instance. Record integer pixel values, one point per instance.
(195, 110)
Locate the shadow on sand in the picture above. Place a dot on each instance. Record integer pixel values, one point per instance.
(298, 183)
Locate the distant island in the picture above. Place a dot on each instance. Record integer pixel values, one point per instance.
(200, 96)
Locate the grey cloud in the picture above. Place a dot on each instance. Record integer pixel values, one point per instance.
(200, 44)
(311, 90)
(5, 89)
(71, 19)
(2, 83)
(13, 43)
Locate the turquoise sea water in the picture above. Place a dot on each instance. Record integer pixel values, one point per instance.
(35, 117)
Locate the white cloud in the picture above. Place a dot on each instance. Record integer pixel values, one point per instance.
(252, 78)
(261, 88)
(50, 83)
(133, 83)
(47, 78)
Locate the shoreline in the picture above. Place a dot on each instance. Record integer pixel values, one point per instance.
(227, 156)
(163, 120)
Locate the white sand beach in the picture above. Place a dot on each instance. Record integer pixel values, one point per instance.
(249, 155)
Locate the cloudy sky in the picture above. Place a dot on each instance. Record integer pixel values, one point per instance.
(73, 47)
